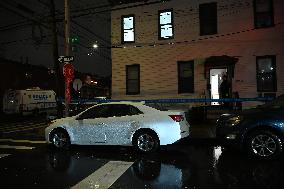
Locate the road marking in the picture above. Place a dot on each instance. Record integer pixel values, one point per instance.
(22, 126)
(104, 177)
(4, 155)
(23, 141)
(24, 129)
(16, 147)
(13, 125)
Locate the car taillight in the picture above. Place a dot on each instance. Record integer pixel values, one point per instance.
(177, 118)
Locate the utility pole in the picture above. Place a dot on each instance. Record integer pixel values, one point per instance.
(56, 65)
(67, 50)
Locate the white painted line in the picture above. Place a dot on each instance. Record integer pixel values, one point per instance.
(104, 177)
(23, 124)
(4, 155)
(23, 141)
(17, 147)
(24, 129)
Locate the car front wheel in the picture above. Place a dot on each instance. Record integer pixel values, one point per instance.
(60, 139)
(264, 144)
(146, 142)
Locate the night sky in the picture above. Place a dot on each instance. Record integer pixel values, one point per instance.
(26, 33)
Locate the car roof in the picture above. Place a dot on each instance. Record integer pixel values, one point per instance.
(138, 104)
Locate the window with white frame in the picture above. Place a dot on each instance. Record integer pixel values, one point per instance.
(127, 29)
(166, 28)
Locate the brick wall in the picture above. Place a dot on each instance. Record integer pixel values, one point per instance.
(158, 65)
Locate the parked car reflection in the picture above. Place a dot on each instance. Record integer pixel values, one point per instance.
(207, 168)
(155, 171)
(236, 171)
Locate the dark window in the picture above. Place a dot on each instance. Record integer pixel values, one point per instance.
(134, 111)
(263, 13)
(96, 112)
(166, 28)
(119, 110)
(266, 74)
(133, 79)
(208, 18)
(186, 77)
(127, 29)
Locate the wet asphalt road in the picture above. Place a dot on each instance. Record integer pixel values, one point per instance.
(198, 162)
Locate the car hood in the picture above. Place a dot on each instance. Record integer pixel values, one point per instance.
(251, 113)
(63, 120)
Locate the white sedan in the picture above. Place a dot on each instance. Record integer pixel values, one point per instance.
(119, 123)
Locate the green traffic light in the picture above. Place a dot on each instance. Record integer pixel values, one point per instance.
(74, 39)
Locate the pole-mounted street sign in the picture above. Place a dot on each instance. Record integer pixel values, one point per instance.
(66, 59)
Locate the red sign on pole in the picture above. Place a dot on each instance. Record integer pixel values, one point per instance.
(68, 72)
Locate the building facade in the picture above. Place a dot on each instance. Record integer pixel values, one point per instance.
(180, 49)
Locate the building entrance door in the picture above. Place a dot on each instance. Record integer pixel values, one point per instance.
(215, 81)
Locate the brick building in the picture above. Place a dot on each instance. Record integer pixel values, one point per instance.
(180, 48)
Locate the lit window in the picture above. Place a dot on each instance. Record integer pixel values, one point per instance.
(166, 30)
(263, 13)
(266, 74)
(128, 25)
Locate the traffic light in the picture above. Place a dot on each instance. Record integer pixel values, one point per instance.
(74, 41)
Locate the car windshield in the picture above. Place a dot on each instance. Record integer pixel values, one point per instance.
(276, 103)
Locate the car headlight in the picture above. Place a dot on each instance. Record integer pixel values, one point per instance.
(232, 121)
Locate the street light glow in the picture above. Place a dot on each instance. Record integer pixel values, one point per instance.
(95, 46)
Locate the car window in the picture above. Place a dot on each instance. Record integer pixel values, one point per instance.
(119, 110)
(134, 111)
(96, 112)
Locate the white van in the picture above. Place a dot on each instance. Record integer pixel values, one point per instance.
(29, 101)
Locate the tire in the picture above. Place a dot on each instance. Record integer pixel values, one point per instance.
(264, 144)
(60, 139)
(146, 142)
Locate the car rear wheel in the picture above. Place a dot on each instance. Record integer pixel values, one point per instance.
(146, 142)
(264, 144)
(60, 140)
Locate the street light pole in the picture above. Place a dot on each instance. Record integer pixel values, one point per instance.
(67, 49)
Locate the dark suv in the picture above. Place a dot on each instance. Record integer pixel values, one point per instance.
(259, 131)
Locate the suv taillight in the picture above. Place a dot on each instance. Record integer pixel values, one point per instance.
(177, 118)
